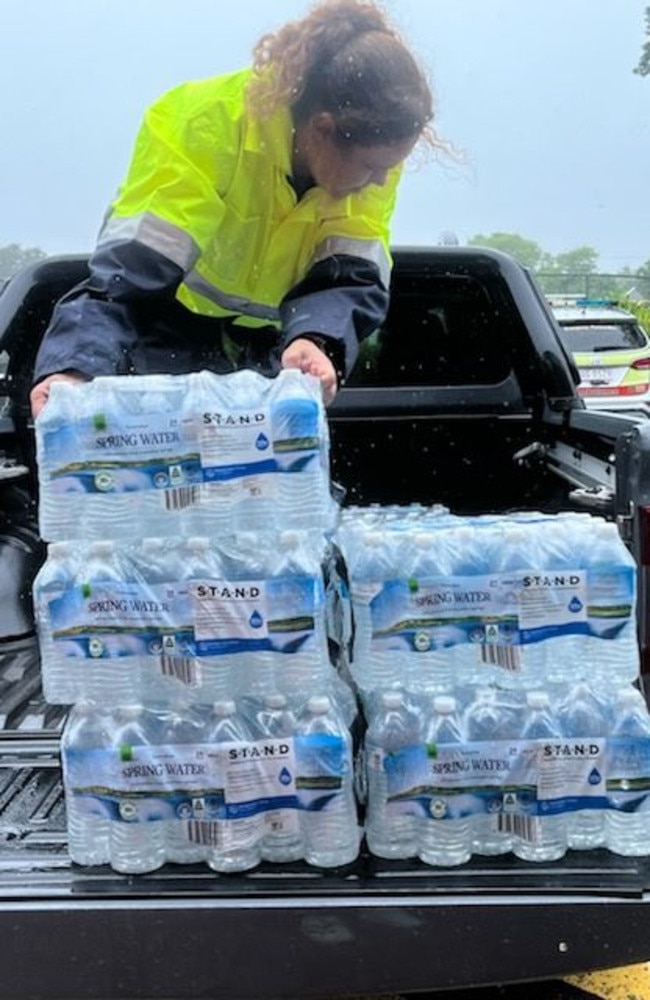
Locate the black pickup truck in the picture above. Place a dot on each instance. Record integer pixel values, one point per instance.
(465, 397)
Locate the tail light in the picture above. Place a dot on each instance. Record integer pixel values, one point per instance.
(613, 390)
(640, 364)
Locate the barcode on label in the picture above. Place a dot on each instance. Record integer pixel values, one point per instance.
(508, 657)
(525, 827)
(181, 668)
(180, 497)
(204, 832)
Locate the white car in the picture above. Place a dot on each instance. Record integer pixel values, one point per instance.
(611, 350)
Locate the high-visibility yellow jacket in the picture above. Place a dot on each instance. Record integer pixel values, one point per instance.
(208, 210)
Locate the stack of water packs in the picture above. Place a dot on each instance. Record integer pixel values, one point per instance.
(181, 611)
(497, 662)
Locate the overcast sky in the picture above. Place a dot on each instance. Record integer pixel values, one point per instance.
(539, 94)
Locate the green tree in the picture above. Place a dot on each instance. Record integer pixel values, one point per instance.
(527, 252)
(643, 68)
(14, 257)
(580, 260)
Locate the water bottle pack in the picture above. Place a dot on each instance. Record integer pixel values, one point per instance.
(487, 771)
(515, 600)
(229, 784)
(146, 620)
(183, 454)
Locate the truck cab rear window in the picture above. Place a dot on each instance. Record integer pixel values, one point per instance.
(444, 337)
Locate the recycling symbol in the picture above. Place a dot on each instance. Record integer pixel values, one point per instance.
(128, 811)
(438, 808)
(103, 481)
(95, 647)
(422, 642)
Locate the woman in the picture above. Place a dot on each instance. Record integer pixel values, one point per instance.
(252, 229)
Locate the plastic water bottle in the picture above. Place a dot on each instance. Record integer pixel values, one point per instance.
(54, 580)
(563, 544)
(328, 809)
(211, 674)
(447, 840)
(376, 663)
(432, 666)
(519, 555)
(298, 589)
(470, 559)
(611, 586)
(243, 663)
(581, 718)
(283, 840)
(158, 569)
(393, 727)
(540, 838)
(111, 666)
(301, 445)
(237, 840)
(138, 837)
(490, 717)
(89, 823)
(59, 503)
(157, 470)
(180, 727)
(627, 828)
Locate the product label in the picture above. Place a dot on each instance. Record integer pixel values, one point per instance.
(503, 609)
(518, 777)
(115, 619)
(611, 601)
(124, 454)
(207, 783)
(245, 447)
(177, 622)
(551, 603)
(628, 773)
(277, 614)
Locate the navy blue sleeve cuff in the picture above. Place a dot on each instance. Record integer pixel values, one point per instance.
(92, 330)
(342, 300)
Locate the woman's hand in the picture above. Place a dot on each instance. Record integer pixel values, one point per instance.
(309, 358)
(40, 394)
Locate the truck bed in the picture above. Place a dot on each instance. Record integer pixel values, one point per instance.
(405, 428)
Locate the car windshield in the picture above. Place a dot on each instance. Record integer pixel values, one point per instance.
(602, 337)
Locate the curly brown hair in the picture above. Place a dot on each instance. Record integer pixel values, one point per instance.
(345, 58)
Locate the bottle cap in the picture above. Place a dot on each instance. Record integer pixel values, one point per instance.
(275, 701)
(290, 539)
(58, 549)
(537, 699)
(392, 699)
(153, 544)
(102, 548)
(444, 704)
(226, 706)
(199, 542)
(318, 704)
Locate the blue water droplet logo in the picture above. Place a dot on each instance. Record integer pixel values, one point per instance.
(595, 777)
(256, 620)
(575, 604)
(262, 442)
(284, 777)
